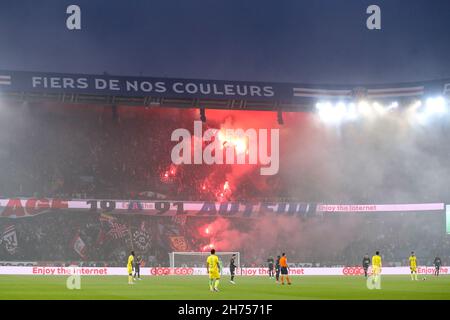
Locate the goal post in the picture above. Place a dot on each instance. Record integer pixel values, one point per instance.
(198, 259)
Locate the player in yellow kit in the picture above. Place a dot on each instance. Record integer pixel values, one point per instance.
(413, 266)
(376, 266)
(213, 269)
(130, 268)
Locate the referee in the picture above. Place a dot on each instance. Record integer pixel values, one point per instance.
(284, 269)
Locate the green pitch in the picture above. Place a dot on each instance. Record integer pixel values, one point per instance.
(196, 287)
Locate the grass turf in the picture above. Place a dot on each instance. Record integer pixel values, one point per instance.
(247, 288)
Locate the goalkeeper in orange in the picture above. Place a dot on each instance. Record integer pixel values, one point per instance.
(213, 269)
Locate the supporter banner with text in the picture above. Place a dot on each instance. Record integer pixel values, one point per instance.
(63, 83)
(20, 208)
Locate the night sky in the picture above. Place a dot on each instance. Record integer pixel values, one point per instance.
(314, 41)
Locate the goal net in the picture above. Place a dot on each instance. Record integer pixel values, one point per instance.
(198, 259)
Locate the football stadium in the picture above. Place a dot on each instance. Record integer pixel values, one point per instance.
(136, 186)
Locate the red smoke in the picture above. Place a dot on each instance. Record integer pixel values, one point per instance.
(234, 174)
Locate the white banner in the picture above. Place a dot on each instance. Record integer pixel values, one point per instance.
(92, 271)
(379, 207)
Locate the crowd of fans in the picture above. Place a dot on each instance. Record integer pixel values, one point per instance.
(101, 152)
(107, 239)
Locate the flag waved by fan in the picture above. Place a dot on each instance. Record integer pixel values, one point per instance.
(9, 239)
(78, 245)
(141, 238)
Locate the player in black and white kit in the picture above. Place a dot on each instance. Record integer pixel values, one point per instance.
(232, 268)
(137, 267)
(277, 269)
(270, 267)
(366, 264)
(437, 266)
